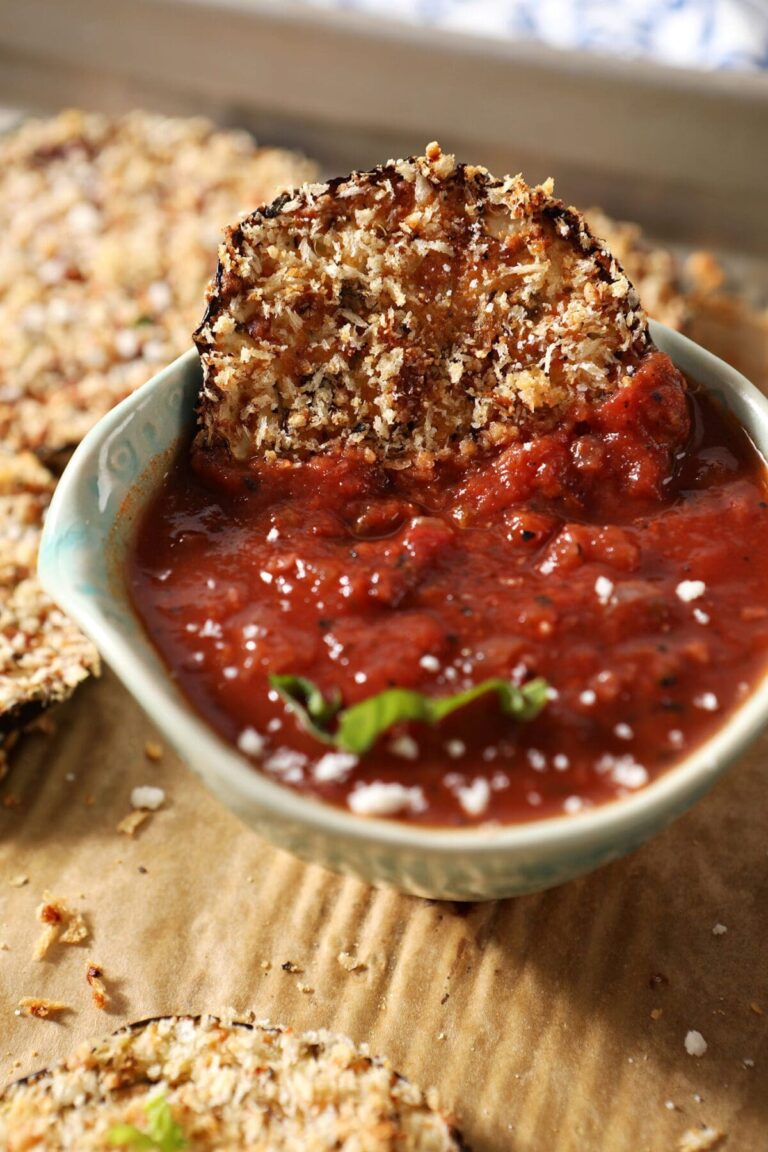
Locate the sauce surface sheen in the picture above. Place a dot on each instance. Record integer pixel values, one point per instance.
(622, 556)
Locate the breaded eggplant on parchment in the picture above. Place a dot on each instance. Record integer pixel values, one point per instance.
(416, 310)
(108, 235)
(43, 655)
(204, 1085)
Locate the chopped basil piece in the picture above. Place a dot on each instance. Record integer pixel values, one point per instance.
(359, 727)
(307, 702)
(163, 1134)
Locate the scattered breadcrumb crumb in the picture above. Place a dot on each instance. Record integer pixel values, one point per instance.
(719, 930)
(289, 966)
(656, 1013)
(703, 1139)
(153, 750)
(755, 1007)
(76, 930)
(41, 1009)
(18, 881)
(306, 988)
(350, 962)
(147, 796)
(133, 821)
(60, 923)
(94, 975)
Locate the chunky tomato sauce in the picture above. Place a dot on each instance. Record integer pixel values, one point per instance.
(622, 556)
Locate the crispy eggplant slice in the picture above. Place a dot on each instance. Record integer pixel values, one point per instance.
(43, 655)
(108, 235)
(415, 310)
(221, 1086)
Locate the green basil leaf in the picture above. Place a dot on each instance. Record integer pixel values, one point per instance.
(308, 704)
(161, 1126)
(360, 726)
(163, 1134)
(126, 1136)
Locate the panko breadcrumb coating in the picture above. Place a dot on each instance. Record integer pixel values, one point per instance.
(422, 308)
(225, 1086)
(108, 235)
(43, 656)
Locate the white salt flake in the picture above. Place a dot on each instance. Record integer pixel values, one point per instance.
(536, 759)
(588, 697)
(700, 616)
(624, 770)
(695, 1044)
(288, 763)
(573, 804)
(475, 796)
(404, 746)
(430, 663)
(145, 796)
(688, 590)
(603, 589)
(707, 701)
(719, 930)
(159, 295)
(126, 343)
(334, 766)
(455, 749)
(250, 742)
(379, 799)
(623, 731)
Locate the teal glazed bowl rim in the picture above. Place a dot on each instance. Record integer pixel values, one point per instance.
(88, 531)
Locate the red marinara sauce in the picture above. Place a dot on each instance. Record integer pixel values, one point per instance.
(623, 556)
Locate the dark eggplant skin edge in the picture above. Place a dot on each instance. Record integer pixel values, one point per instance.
(137, 1025)
(482, 182)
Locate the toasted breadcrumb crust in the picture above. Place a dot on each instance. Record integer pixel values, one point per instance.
(41, 1009)
(654, 271)
(94, 977)
(60, 923)
(227, 1086)
(419, 308)
(43, 656)
(108, 235)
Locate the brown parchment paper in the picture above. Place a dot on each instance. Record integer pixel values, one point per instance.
(551, 1022)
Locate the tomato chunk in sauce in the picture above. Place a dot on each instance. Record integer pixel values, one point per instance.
(622, 556)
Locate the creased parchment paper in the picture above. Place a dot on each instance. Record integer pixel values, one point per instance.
(550, 1022)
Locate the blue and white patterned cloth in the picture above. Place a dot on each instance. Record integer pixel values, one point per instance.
(688, 33)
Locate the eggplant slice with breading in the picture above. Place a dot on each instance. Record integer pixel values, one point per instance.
(418, 310)
(205, 1085)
